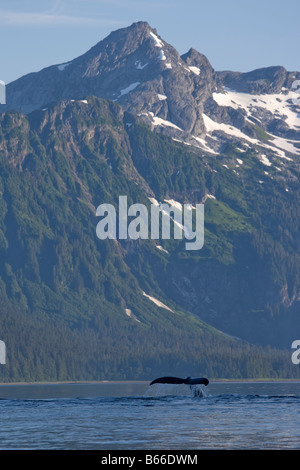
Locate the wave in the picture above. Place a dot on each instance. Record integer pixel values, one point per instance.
(182, 390)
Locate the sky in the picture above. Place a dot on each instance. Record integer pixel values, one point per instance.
(233, 34)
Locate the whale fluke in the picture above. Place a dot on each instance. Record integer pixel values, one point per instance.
(178, 380)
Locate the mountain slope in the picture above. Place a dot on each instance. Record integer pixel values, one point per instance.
(85, 298)
(179, 96)
(75, 307)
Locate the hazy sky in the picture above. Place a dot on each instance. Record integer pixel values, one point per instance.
(234, 34)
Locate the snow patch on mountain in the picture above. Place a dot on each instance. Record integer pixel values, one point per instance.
(280, 105)
(79, 101)
(265, 160)
(153, 201)
(210, 196)
(212, 126)
(131, 315)
(194, 69)
(181, 141)
(161, 97)
(204, 145)
(62, 67)
(157, 41)
(287, 145)
(128, 89)
(161, 55)
(279, 143)
(157, 302)
(157, 121)
(139, 66)
(174, 203)
(159, 247)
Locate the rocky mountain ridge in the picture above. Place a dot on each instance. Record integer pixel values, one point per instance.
(180, 96)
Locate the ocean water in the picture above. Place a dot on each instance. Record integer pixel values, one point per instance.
(133, 416)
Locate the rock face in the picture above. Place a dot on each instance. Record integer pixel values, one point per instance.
(58, 165)
(260, 81)
(133, 66)
(179, 96)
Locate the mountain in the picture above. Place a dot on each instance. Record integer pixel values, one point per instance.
(131, 117)
(181, 96)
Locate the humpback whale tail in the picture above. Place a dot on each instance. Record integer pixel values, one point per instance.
(178, 380)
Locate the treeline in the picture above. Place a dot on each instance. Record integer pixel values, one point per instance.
(63, 293)
(39, 349)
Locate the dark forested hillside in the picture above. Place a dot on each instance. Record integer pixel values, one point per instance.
(72, 307)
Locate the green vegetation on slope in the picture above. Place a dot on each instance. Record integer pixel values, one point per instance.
(64, 292)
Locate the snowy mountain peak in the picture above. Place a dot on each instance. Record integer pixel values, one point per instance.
(180, 96)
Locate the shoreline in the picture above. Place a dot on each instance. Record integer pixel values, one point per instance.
(110, 382)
